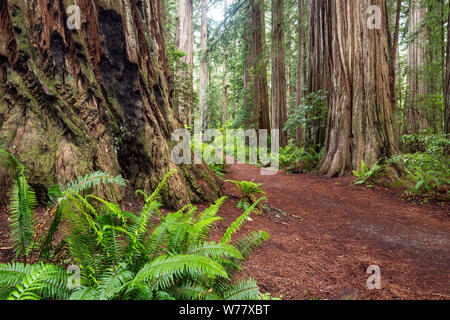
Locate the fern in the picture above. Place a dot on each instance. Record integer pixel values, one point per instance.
(366, 173)
(23, 201)
(236, 225)
(85, 182)
(41, 280)
(127, 256)
(246, 289)
(163, 271)
(192, 291)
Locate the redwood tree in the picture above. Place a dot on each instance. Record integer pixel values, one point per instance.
(97, 98)
(447, 82)
(185, 43)
(259, 64)
(278, 89)
(319, 65)
(360, 120)
(415, 114)
(204, 63)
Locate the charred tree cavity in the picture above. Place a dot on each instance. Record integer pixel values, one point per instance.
(97, 98)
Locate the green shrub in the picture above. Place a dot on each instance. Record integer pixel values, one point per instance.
(249, 190)
(366, 173)
(427, 170)
(313, 110)
(294, 158)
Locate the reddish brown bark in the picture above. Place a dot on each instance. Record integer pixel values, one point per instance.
(260, 88)
(77, 101)
(360, 121)
(278, 89)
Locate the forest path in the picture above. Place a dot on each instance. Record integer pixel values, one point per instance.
(334, 231)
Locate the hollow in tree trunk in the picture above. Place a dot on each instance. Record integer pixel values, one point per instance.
(76, 101)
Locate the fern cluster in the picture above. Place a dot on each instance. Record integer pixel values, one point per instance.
(249, 191)
(121, 255)
(366, 173)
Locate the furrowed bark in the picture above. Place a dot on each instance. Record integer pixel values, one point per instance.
(97, 98)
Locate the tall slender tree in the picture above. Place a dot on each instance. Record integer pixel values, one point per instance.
(204, 63)
(185, 43)
(259, 66)
(393, 39)
(224, 81)
(447, 82)
(415, 114)
(278, 89)
(299, 92)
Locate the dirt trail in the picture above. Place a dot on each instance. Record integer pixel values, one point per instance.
(331, 232)
(342, 231)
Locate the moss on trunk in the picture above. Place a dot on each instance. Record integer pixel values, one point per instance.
(76, 101)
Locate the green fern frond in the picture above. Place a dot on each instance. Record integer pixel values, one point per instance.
(249, 242)
(156, 194)
(246, 289)
(85, 182)
(212, 210)
(215, 250)
(41, 280)
(11, 274)
(162, 272)
(113, 282)
(192, 291)
(84, 293)
(236, 225)
(23, 202)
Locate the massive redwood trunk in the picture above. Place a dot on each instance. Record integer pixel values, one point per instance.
(76, 101)
(360, 121)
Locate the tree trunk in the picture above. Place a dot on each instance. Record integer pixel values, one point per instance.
(203, 64)
(185, 43)
(224, 83)
(76, 101)
(447, 82)
(260, 90)
(278, 95)
(415, 114)
(300, 69)
(360, 122)
(319, 62)
(393, 48)
(248, 62)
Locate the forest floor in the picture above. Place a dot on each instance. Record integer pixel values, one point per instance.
(325, 233)
(332, 231)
